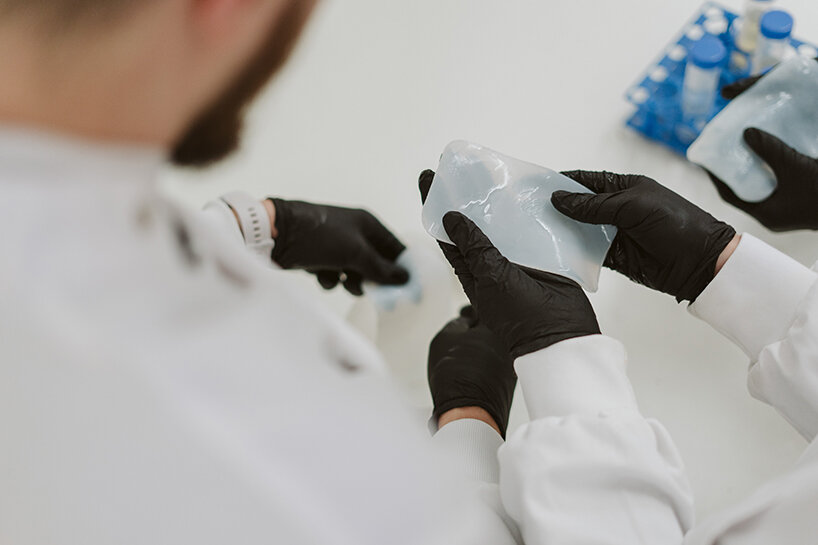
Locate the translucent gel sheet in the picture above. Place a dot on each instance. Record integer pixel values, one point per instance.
(510, 200)
(783, 103)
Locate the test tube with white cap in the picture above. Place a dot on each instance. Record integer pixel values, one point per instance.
(754, 10)
(702, 75)
(774, 43)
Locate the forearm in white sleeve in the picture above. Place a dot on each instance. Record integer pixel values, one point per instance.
(220, 216)
(767, 303)
(238, 211)
(589, 468)
(471, 446)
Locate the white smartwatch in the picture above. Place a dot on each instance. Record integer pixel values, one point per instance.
(254, 222)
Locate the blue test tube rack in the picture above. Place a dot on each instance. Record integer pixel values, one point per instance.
(657, 94)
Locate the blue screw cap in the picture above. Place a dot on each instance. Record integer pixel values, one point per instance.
(776, 25)
(709, 52)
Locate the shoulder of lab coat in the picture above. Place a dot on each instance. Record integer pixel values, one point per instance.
(589, 467)
(176, 390)
(469, 447)
(767, 304)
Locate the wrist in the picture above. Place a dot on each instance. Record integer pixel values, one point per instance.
(727, 253)
(270, 207)
(471, 413)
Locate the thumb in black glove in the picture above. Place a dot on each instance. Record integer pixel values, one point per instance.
(528, 309)
(337, 245)
(736, 88)
(794, 203)
(664, 242)
(469, 366)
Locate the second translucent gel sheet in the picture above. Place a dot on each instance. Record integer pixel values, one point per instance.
(510, 200)
(784, 103)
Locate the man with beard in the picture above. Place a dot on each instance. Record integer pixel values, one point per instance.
(158, 382)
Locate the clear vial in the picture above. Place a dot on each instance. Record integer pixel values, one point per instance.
(774, 42)
(702, 75)
(754, 10)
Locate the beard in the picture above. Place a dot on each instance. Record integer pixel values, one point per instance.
(216, 132)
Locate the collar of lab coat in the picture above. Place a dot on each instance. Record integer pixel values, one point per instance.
(33, 157)
(66, 178)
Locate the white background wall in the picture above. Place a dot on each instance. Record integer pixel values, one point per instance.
(378, 87)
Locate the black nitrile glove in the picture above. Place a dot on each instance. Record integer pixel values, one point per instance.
(794, 203)
(336, 244)
(729, 92)
(469, 366)
(664, 242)
(529, 310)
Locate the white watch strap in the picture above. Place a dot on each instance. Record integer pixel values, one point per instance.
(254, 221)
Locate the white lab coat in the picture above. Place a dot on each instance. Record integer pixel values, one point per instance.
(589, 469)
(158, 385)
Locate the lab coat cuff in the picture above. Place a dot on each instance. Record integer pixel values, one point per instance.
(473, 446)
(219, 215)
(585, 375)
(754, 298)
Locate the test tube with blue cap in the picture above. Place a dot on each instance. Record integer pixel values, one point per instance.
(774, 43)
(702, 76)
(754, 10)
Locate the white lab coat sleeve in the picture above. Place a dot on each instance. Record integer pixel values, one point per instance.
(767, 304)
(219, 216)
(471, 446)
(589, 468)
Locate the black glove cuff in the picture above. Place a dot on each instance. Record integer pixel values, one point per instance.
(707, 270)
(549, 340)
(283, 218)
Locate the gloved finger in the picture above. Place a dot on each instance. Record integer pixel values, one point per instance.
(376, 269)
(725, 192)
(729, 92)
(590, 208)
(381, 238)
(353, 283)
(600, 182)
(461, 324)
(425, 184)
(551, 278)
(480, 255)
(461, 269)
(328, 279)
(773, 151)
(469, 314)
(451, 253)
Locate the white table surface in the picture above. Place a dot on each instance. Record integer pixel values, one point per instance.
(376, 90)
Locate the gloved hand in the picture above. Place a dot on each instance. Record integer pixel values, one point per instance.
(733, 90)
(529, 310)
(794, 202)
(469, 366)
(664, 242)
(336, 245)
